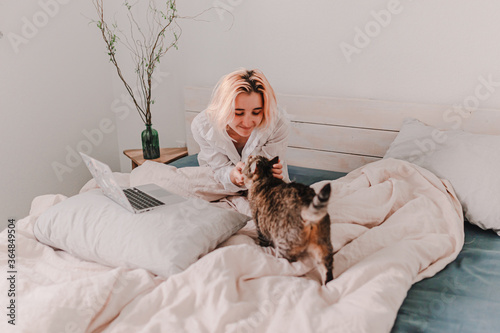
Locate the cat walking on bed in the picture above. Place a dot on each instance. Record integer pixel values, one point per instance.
(291, 217)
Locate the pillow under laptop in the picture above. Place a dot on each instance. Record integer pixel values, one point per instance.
(164, 241)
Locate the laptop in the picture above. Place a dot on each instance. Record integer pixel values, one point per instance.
(136, 199)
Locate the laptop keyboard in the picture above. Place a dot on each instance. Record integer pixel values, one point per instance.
(140, 200)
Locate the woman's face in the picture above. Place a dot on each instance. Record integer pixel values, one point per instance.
(248, 113)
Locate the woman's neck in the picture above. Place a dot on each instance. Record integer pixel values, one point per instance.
(238, 140)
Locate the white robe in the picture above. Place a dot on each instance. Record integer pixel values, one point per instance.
(217, 149)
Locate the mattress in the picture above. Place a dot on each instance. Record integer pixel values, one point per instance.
(463, 297)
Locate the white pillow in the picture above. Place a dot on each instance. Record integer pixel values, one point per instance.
(471, 162)
(164, 241)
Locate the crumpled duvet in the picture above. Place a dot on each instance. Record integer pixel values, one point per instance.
(393, 224)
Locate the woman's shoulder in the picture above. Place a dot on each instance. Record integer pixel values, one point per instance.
(201, 122)
(282, 118)
(202, 128)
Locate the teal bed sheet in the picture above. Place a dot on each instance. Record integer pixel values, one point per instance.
(462, 298)
(301, 175)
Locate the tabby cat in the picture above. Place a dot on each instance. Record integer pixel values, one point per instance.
(291, 217)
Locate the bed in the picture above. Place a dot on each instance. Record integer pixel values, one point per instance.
(407, 259)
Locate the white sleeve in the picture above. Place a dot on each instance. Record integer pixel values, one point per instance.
(277, 144)
(219, 162)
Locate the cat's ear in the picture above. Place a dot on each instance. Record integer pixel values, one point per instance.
(275, 160)
(253, 167)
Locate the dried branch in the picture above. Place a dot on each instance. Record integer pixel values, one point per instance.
(146, 50)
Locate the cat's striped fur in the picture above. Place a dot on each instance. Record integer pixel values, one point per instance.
(290, 216)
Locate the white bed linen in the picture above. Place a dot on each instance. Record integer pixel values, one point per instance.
(393, 224)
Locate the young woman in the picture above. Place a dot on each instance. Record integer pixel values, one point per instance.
(242, 119)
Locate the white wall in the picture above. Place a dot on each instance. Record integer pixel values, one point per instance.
(54, 87)
(61, 82)
(412, 51)
(427, 51)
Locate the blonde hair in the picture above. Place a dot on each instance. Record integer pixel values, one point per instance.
(221, 108)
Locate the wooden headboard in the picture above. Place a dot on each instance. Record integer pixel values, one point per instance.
(342, 134)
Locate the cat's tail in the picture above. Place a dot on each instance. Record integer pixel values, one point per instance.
(319, 205)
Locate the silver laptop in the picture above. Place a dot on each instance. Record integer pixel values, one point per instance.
(136, 199)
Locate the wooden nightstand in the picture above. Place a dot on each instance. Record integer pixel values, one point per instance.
(167, 155)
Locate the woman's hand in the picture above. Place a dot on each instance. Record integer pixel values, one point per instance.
(277, 170)
(236, 176)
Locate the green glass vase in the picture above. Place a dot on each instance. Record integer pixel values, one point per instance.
(150, 143)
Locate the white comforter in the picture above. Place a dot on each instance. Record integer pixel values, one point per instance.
(393, 224)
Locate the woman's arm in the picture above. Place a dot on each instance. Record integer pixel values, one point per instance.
(277, 145)
(219, 162)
